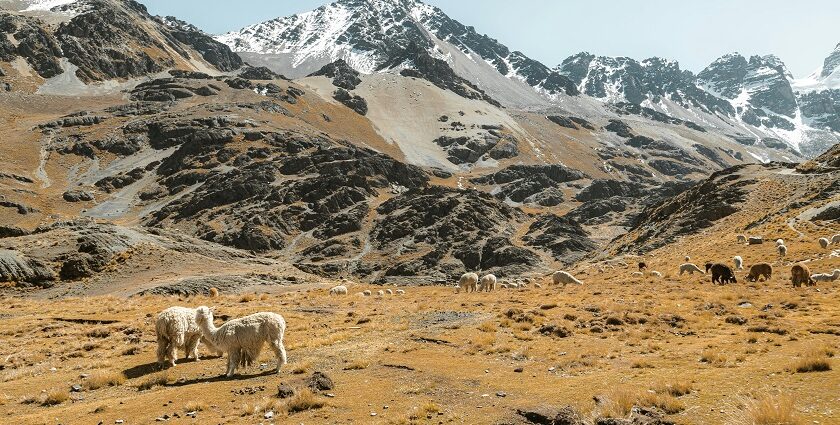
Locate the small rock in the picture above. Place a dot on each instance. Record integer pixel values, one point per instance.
(75, 388)
(268, 415)
(519, 370)
(385, 407)
(84, 375)
(119, 421)
(320, 382)
(285, 391)
(192, 414)
(330, 395)
(52, 369)
(373, 413)
(501, 394)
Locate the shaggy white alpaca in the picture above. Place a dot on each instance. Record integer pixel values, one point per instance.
(835, 239)
(739, 262)
(389, 291)
(366, 293)
(243, 338)
(742, 239)
(565, 278)
(780, 242)
(468, 282)
(638, 274)
(488, 283)
(380, 293)
(782, 250)
(656, 274)
(176, 328)
(690, 269)
(339, 290)
(826, 277)
(400, 292)
(824, 243)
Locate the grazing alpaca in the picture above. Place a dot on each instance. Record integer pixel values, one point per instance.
(176, 328)
(721, 273)
(739, 262)
(759, 270)
(565, 278)
(689, 268)
(245, 336)
(468, 282)
(642, 266)
(800, 274)
(487, 283)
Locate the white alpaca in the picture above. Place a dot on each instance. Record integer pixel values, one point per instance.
(782, 250)
(565, 278)
(835, 239)
(656, 274)
(687, 258)
(244, 336)
(824, 243)
(366, 293)
(488, 283)
(339, 290)
(538, 286)
(742, 239)
(780, 242)
(739, 262)
(690, 269)
(380, 293)
(468, 282)
(400, 292)
(638, 274)
(176, 328)
(826, 277)
(389, 291)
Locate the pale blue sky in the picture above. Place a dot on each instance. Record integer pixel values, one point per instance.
(694, 32)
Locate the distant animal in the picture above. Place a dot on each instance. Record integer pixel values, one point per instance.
(400, 292)
(721, 273)
(244, 336)
(742, 239)
(756, 240)
(638, 274)
(642, 266)
(487, 283)
(824, 242)
(468, 282)
(538, 286)
(656, 274)
(339, 290)
(366, 293)
(687, 258)
(826, 277)
(799, 274)
(780, 242)
(380, 293)
(835, 239)
(782, 250)
(176, 328)
(565, 278)
(739, 262)
(759, 270)
(689, 268)
(214, 292)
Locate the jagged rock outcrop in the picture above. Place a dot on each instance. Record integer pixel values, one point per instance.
(536, 184)
(343, 76)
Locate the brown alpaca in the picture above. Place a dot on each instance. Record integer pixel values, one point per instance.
(800, 274)
(642, 266)
(721, 273)
(759, 270)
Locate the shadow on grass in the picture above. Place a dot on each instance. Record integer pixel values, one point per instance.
(220, 378)
(149, 368)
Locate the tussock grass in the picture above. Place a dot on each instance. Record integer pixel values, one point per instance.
(154, 380)
(54, 397)
(304, 400)
(769, 410)
(104, 379)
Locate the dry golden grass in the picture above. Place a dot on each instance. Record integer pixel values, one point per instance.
(105, 378)
(195, 406)
(155, 380)
(304, 400)
(812, 361)
(54, 397)
(357, 364)
(769, 410)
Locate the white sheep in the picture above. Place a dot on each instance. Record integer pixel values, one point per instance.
(339, 290)
(824, 242)
(389, 292)
(244, 336)
(400, 292)
(176, 328)
(690, 269)
(826, 277)
(742, 239)
(835, 239)
(739, 262)
(638, 274)
(488, 283)
(782, 250)
(469, 282)
(656, 274)
(780, 242)
(565, 278)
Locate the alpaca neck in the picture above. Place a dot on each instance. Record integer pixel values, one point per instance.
(207, 327)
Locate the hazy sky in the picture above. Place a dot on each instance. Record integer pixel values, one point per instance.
(694, 32)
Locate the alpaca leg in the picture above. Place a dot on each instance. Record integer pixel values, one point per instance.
(233, 361)
(192, 347)
(163, 347)
(172, 352)
(280, 352)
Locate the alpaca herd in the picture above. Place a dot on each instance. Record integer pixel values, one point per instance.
(243, 339)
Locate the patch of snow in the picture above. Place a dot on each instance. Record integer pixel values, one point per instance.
(35, 5)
